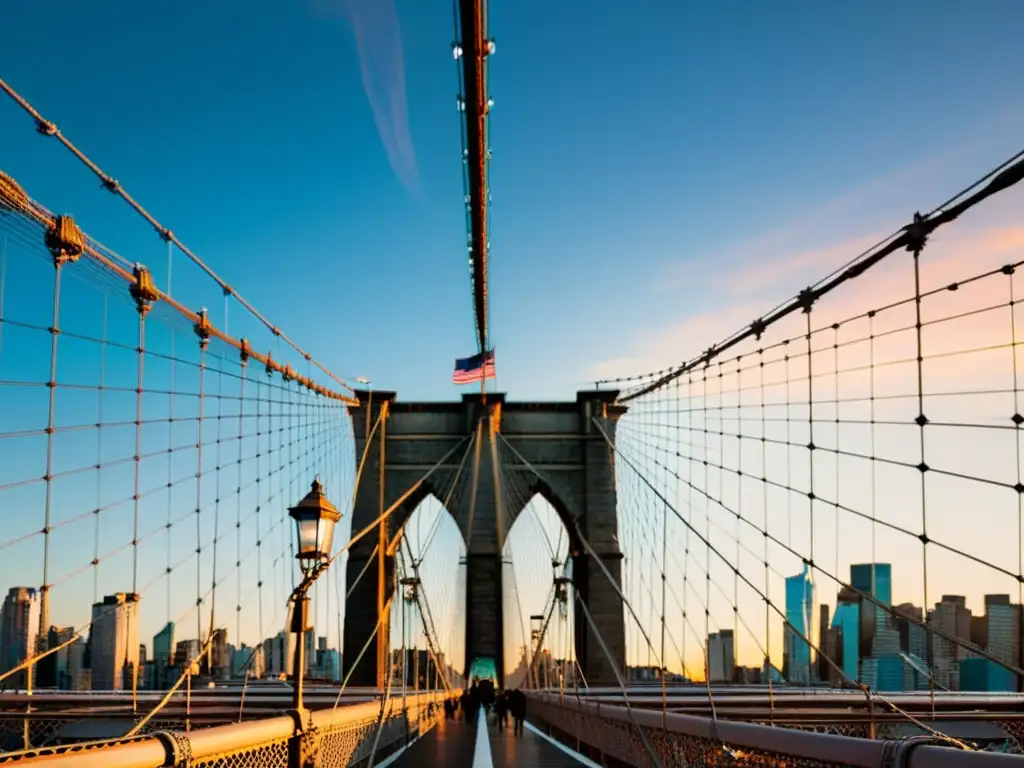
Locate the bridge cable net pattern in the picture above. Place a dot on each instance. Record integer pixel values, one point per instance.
(191, 424)
(536, 574)
(856, 451)
(433, 590)
(332, 441)
(429, 596)
(48, 128)
(147, 453)
(537, 582)
(431, 541)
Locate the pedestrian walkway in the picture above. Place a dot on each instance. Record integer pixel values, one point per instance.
(527, 749)
(457, 744)
(449, 743)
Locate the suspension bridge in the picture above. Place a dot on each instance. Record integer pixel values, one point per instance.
(803, 546)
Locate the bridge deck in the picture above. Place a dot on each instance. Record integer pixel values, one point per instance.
(454, 743)
(530, 749)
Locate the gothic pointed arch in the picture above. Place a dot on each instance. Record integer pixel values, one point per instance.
(562, 457)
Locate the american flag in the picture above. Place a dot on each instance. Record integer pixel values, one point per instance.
(475, 368)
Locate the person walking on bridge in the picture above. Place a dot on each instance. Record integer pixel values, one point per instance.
(517, 707)
(501, 710)
(471, 704)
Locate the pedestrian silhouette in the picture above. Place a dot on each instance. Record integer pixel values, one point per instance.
(501, 710)
(517, 708)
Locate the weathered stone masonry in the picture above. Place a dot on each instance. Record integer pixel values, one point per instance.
(560, 442)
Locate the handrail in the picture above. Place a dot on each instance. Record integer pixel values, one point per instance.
(156, 750)
(808, 745)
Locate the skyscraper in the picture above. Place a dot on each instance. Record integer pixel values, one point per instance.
(220, 657)
(1002, 628)
(885, 672)
(799, 610)
(873, 578)
(52, 671)
(279, 653)
(186, 654)
(847, 620)
(914, 646)
(163, 655)
(830, 649)
(19, 625)
(309, 638)
(953, 617)
(721, 656)
(114, 640)
(247, 662)
(79, 676)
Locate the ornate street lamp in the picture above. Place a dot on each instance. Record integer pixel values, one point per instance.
(315, 517)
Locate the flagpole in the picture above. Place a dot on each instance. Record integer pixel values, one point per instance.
(483, 377)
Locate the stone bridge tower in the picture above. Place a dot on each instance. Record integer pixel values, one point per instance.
(560, 454)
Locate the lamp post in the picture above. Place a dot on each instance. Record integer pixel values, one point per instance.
(562, 585)
(409, 588)
(315, 517)
(536, 638)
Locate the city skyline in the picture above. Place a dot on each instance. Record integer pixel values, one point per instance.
(807, 666)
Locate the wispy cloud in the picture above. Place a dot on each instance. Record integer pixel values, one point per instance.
(955, 253)
(854, 220)
(378, 38)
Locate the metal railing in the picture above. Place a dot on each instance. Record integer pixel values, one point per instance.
(606, 733)
(328, 738)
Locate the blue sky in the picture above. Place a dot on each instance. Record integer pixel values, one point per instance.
(616, 158)
(662, 171)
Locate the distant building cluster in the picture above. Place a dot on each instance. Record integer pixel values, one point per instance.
(421, 672)
(886, 647)
(112, 657)
(547, 671)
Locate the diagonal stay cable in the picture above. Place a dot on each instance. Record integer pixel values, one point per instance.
(597, 633)
(373, 525)
(111, 184)
(590, 551)
(385, 697)
(433, 643)
(428, 627)
(399, 534)
(622, 683)
(1006, 175)
(966, 645)
(549, 609)
(868, 693)
(397, 502)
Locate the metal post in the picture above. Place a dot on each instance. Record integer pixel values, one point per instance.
(27, 735)
(299, 608)
(188, 696)
(405, 652)
(405, 671)
(383, 633)
(300, 604)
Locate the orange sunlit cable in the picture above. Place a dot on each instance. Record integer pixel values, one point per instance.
(48, 128)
